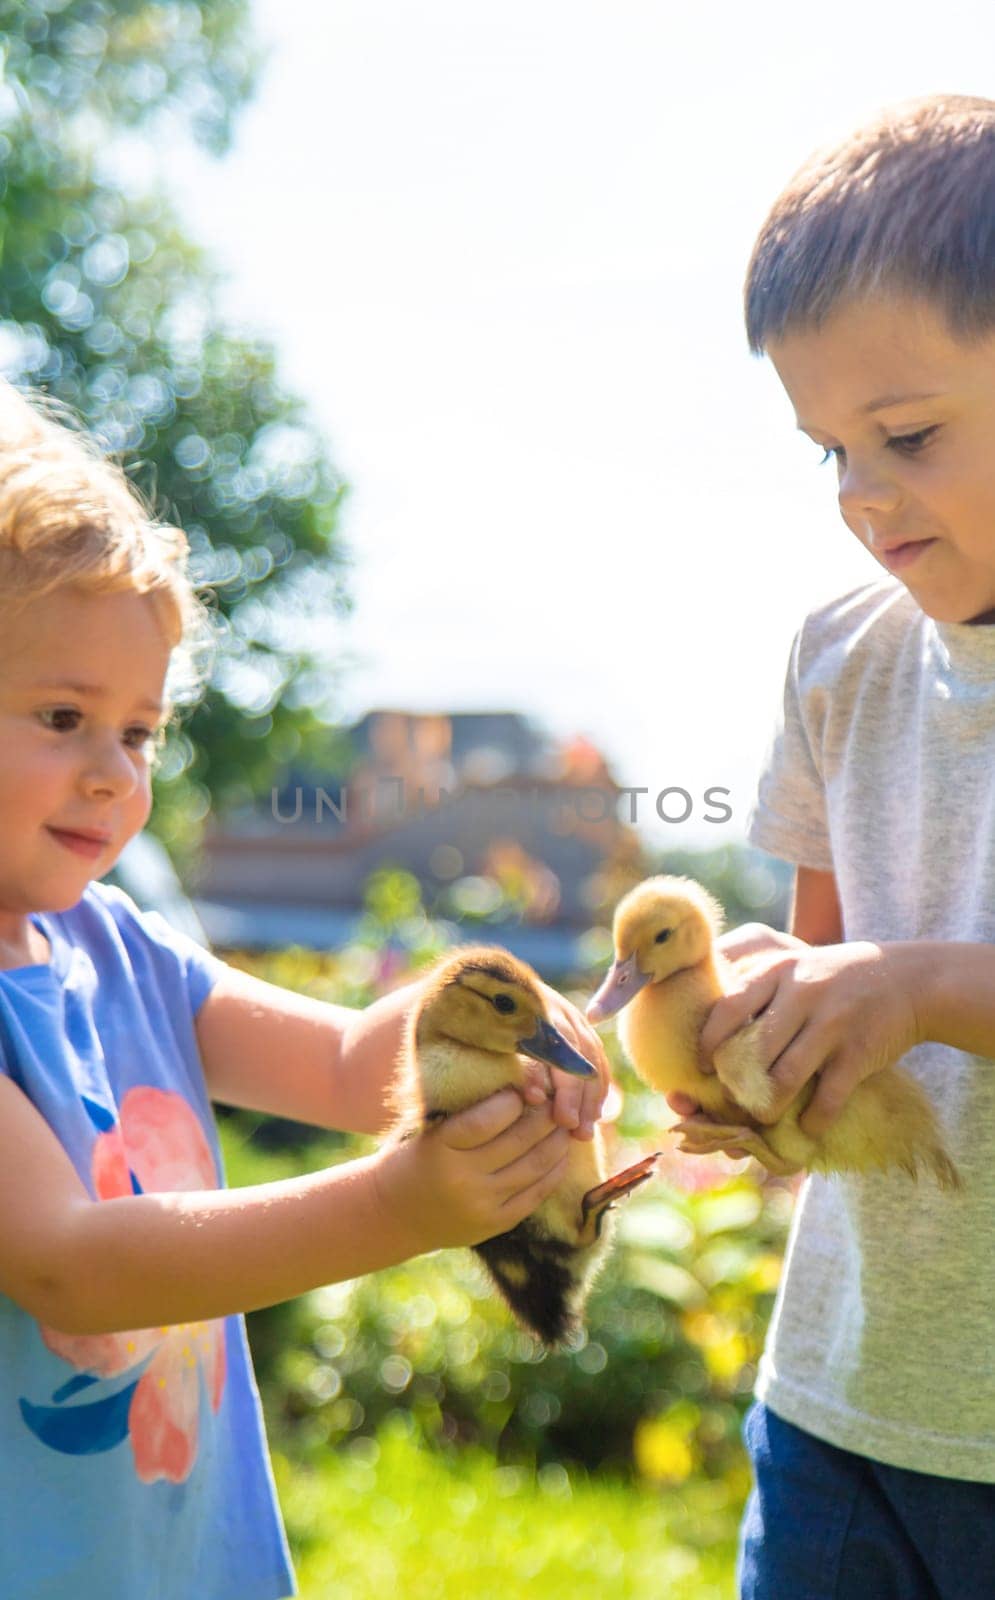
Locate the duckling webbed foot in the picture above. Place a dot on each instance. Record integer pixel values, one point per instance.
(599, 1200)
(702, 1136)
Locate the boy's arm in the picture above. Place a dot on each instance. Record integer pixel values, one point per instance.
(815, 908)
(269, 1049)
(157, 1259)
(845, 1010)
(954, 990)
(815, 919)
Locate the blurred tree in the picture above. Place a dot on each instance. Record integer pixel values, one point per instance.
(107, 305)
(751, 887)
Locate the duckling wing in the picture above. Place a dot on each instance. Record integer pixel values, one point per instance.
(741, 1069)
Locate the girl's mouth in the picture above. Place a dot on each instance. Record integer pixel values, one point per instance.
(79, 843)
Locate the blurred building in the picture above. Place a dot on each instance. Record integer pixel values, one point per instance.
(515, 838)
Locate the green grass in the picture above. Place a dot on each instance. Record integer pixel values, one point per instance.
(388, 1518)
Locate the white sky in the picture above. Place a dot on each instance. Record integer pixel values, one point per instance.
(500, 246)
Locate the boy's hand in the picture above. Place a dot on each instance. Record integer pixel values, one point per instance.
(840, 1011)
(756, 938)
(750, 939)
(577, 1102)
(474, 1174)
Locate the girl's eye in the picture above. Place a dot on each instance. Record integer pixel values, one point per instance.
(54, 723)
(905, 443)
(137, 737)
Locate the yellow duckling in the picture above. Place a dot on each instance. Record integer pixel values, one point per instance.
(481, 1025)
(668, 974)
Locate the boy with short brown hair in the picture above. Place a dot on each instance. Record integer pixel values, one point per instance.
(872, 288)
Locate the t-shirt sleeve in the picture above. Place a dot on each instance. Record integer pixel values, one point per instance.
(789, 817)
(200, 967)
(176, 958)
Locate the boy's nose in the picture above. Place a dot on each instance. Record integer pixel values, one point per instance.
(863, 491)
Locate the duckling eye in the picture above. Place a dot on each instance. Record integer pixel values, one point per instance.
(663, 936)
(504, 1002)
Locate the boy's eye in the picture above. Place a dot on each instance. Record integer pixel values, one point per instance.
(911, 442)
(906, 443)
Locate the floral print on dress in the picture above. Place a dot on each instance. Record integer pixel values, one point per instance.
(158, 1146)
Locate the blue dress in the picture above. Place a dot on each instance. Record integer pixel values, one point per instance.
(133, 1466)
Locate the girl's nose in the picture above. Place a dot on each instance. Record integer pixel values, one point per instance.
(109, 769)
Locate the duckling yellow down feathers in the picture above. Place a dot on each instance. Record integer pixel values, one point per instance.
(481, 1025)
(668, 974)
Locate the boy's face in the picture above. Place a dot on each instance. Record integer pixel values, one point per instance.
(916, 474)
(70, 760)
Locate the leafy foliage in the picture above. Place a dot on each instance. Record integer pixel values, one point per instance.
(106, 304)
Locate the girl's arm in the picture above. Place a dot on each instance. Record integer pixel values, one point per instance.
(151, 1260)
(268, 1049)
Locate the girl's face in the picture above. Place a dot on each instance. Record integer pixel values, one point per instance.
(81, 698)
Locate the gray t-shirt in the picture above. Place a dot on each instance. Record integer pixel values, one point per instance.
(882, 771)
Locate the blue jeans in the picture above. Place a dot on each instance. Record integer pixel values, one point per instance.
(823, 1524)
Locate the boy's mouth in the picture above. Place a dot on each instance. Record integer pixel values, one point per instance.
(897, 557)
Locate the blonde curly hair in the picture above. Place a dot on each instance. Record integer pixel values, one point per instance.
(70, 518)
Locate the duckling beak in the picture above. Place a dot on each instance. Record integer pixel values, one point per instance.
(547, 1044)
(623, 981)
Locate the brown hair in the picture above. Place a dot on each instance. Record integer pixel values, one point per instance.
(69, 517)
(905, 204)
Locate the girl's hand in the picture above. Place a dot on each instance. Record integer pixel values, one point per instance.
(472, 1175)
(837, 1011)
(577, 1102)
